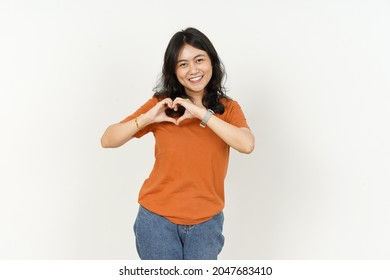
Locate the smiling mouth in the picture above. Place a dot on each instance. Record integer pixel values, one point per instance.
(196, 79)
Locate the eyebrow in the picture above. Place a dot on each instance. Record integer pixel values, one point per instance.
(195, 57)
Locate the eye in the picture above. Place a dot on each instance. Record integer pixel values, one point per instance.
(182, 64)
(200, 60)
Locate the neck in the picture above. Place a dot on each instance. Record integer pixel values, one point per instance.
(196, 97)
(197, 100)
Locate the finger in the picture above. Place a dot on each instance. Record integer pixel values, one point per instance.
(179, 120)
(178, 101)
(161, 104)
(171, 120)
(168, 102)
(182, 118)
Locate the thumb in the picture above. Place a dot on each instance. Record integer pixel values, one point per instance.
(171, 120)
(182, 118)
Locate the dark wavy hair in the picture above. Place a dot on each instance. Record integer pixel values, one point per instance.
(169, 85)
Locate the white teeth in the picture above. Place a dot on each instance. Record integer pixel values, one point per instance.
(195, 79)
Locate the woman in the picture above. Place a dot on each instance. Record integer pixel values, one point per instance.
(194, 124)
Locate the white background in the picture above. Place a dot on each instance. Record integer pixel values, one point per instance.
(313, 78)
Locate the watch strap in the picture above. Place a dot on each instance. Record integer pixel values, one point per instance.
(206, 118)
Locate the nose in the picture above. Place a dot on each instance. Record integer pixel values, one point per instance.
(193, 69)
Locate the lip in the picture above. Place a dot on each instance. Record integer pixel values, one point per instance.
(196, 79)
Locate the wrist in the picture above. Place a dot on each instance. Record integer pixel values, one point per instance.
(142, 121)
(202, 113)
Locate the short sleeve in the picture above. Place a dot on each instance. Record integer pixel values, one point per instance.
(141, 110)
(234, 115)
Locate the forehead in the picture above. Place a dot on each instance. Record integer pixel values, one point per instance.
(188, 52)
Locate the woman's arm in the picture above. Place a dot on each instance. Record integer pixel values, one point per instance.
(119, 133)
(239, 138)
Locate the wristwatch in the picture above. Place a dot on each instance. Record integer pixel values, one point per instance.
(206, 118)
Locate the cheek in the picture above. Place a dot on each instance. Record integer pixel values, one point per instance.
(210, 72)
(208, 69)
(179, 75)
(179, 78)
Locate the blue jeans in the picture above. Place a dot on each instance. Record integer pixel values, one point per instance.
(157, 238)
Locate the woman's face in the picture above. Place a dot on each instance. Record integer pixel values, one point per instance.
(193, 70)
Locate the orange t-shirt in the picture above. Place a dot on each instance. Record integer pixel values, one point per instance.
(186, 185)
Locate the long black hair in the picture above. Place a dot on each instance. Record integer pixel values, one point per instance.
(169, 85)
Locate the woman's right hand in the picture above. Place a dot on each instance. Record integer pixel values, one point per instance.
(157, 113)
